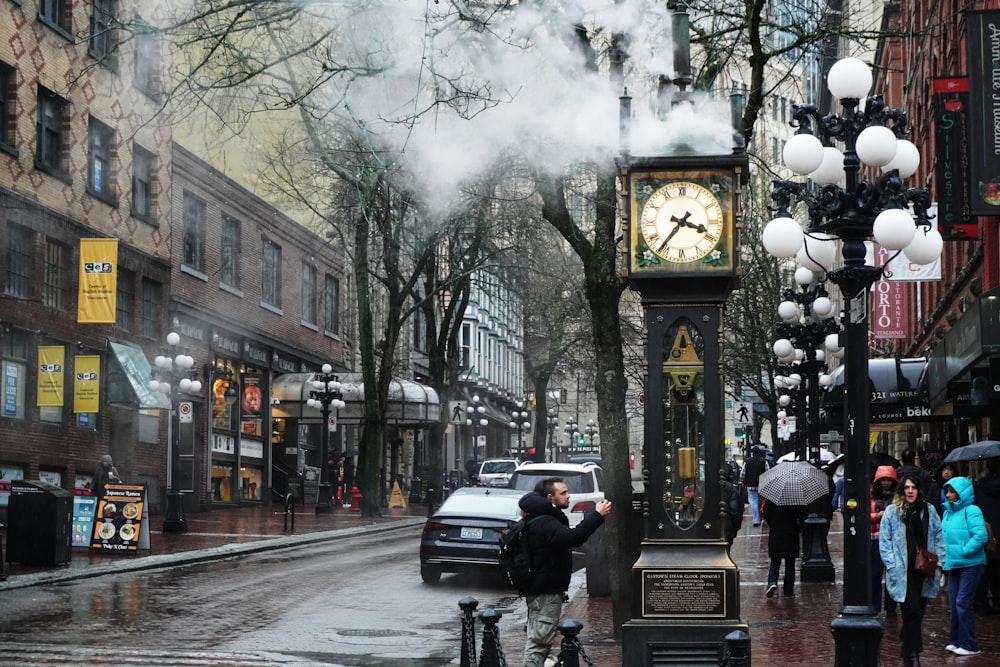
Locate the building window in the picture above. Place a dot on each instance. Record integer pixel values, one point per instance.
(20, 262)
(101, 139)
(331, 306)
(146, 58)
(152, 306)
(465, 347)
(194, 233)
(309, 294)
(8, 99)
(14, 371)
(270, 279)
(232, 241)
(56, 14)
(102, 21)
(50, 123)
(56, 282)
(125, 299)
(142, 183)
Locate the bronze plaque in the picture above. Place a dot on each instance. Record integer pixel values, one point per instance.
(683, 593)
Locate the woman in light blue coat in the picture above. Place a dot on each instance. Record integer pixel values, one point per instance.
(964, 561)
(909, 523)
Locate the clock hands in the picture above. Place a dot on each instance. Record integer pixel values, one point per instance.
(678, 224)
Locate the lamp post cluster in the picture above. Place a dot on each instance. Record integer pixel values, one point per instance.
(553, 423)
(806, 323)
(325, 394)
(174, 368)
(477, 416)
(573, 431)
(591, 432)
(843, 207)
(520, 420)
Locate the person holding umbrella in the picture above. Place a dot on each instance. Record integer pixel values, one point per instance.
(788, 488)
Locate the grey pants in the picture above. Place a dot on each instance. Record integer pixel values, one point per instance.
(544, 611)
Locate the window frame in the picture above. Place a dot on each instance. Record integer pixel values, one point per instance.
(142, 190)
(151, 308)
(331, 305)
(19, 270)
(193, 233)
(103, 17)
(270, 274)
(55, 292)
(310, 276)
(125, 299)
(8, 104)
(230, 251)
(145, 59)
(57, 15)
(50, 136)
(100, 160)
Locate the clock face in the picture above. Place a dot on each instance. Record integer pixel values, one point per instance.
(682, 222)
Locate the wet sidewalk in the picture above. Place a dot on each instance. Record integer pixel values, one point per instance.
(783, 631)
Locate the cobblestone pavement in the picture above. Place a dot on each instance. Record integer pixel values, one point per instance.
(783, 631)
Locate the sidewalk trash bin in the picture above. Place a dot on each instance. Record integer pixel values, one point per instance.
(39, 523)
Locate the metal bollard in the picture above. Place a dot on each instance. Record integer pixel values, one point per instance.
(468, 606)
(3, 577)
(429, 501)
(492, 653)
(289, 510)
(737, 649)
(569, 650)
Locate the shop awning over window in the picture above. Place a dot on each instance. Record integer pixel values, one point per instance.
(410, 403)
(897, 390)
(128, 378)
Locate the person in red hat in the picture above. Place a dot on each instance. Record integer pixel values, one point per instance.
(883, 488)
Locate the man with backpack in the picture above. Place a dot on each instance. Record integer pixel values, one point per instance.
(550, 544)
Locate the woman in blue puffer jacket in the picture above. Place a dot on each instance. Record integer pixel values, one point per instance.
(964, 533)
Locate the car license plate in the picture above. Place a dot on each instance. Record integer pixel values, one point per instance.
(472, 533)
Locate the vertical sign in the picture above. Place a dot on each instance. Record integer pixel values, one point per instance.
(98, 281)
(951, 172)
(251, 403)
(889, 302)
(984, 111)
(87, 384)
(51, 364)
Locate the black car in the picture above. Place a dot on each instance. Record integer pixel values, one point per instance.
(464, 533)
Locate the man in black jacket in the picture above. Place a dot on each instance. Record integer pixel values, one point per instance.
(551, 542)
(753, 468)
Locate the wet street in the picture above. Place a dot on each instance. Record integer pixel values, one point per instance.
(354, 602)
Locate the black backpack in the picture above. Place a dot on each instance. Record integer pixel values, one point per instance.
(515, 555)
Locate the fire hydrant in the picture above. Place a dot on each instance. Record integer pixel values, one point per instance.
(355, 499)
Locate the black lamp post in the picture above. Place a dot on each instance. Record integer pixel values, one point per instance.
(553, 423)
(477, 418)
(325, 394)
(853, 213)
(520, 420)
(174, 368)
(573, 431)
(591, 432)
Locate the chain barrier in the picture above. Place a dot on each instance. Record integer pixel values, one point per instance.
(571, 653)
(468, 606)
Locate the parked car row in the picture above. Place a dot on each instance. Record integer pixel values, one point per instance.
(463, 534)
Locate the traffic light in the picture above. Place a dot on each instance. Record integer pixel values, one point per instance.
(580, 441)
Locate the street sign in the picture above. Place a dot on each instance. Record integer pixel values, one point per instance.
(742, 413)
(457, 411)
(184, 410)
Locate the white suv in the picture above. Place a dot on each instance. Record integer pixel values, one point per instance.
(585, 482)
(495, 472)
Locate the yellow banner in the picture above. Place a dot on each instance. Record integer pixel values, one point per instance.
(51, 364)
(98, 281)
(87, 387)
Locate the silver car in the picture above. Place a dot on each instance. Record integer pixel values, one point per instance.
(496, 472)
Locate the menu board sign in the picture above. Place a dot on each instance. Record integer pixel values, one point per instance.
(119, 523)
(83, 520)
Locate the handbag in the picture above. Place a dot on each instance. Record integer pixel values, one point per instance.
(926, 562)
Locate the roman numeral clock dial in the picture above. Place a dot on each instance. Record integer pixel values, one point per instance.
(682, 222)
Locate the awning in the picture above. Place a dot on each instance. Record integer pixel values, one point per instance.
(897, 390)
(410, 403)
(129, 375)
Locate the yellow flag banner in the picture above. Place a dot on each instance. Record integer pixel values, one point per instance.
(98, 281)
(51, 364)
(87, 385)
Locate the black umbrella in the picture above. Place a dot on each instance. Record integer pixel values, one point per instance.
(986, 449)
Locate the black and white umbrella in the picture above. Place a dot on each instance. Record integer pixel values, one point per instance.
(793, 483)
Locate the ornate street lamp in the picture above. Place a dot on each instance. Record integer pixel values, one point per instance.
(325, 394)
(477, 417)
(174, 368)
(520, 420)
(573, 431)
(591, 431)
(844, 207)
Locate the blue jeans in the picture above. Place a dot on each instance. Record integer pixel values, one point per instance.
(754, 501)
(962, 584)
